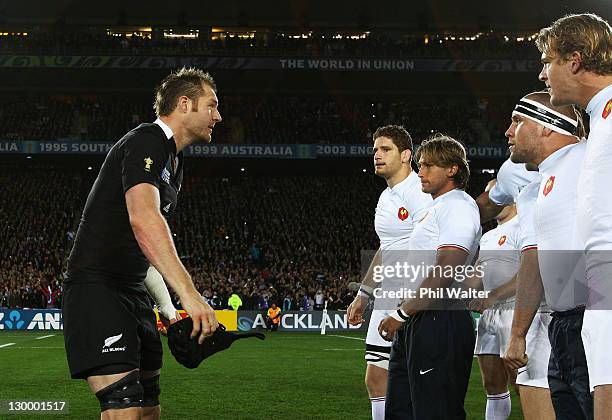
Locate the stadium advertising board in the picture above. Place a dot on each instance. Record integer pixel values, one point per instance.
(51, 319)
(299, 321)
(227, 318)
(268, 63)
(31, 319)
(267, 151)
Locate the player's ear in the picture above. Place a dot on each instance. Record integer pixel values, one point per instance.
(576, 59)
(546, 132)
(183, 104)
(406, 156)
(452, 171)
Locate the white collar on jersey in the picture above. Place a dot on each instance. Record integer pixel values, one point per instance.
(448, 194)
(602, 96)
(404, 181)
(554, 157)
(167, 130)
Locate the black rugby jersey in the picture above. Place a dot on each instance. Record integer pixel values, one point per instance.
(105, 248)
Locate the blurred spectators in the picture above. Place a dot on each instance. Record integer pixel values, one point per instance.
(260, 119)
(309, 232)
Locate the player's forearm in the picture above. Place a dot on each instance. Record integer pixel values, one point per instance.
(154, 238)
(472, 282)
(438, 281)
(157, 288)
(488, 209)
(368, 279)
(529, 292)
(505, 290)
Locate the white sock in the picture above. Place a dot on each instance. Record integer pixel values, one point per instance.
(498, 406)
(378, 408)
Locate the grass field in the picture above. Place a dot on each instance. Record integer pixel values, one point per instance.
(288, 376)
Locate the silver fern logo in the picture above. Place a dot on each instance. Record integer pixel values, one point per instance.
(106, 348)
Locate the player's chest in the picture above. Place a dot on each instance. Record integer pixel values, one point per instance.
(393, 218)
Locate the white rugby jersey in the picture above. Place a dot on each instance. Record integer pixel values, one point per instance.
(559, 249)
(500, 254)
(525, 207)
(398, 210)
(452, 221)
(594, 213)
(511, 178)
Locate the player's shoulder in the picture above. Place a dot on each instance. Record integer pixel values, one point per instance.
(515, 173)
(529, 192)
(601, 111)
(412, 192)
(456, 203)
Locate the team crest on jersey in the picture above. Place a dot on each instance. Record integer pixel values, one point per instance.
(402, 213)
(607, 110)
(550, 183)
(502, 240)
(148, 162)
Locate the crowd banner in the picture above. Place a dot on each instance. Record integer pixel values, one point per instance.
(299, 321)
(266, 151)
(398, 64)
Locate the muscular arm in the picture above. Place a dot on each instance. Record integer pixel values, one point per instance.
(368, 279)
(154, 238)
(529, 292)
(488, 209)
(435, 281)
(357, 307)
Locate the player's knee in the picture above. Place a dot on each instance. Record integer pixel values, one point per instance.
(127, 392)
(151, 391)
(376, 378)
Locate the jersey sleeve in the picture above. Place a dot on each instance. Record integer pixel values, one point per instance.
(501, 193)
(459, 224)
(525, 206)
(142, 161)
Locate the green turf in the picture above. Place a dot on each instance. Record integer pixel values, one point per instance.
(289, 376)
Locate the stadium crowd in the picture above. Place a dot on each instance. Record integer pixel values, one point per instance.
(256, 42)
(296, 241)
(260, 119)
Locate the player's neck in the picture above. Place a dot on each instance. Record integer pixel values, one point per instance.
(591, 86)
(447, 188)
(398, 177)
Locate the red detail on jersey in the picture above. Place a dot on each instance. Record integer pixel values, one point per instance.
(550, 183)
(502, 240)
(607, 110)
(402, 213)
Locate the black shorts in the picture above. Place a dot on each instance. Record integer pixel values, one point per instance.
(568, 374)
(430, 366)
(106, 325)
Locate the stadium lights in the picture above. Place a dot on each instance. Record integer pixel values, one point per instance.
(364, 170)
(242, 169)
(89, 168)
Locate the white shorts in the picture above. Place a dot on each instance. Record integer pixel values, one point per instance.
(597, 341)
(493, 337)
(377, 349)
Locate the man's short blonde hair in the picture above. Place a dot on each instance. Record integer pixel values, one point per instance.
(586, 33)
